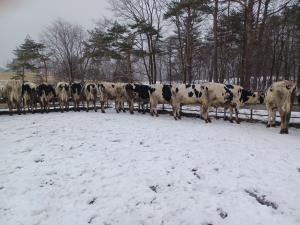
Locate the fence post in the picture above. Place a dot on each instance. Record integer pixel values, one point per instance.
(251, 114)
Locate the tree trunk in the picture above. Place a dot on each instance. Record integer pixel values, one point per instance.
(215, 29)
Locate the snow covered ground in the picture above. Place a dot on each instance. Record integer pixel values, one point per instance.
(93, 168)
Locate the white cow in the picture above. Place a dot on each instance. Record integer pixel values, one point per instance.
(13, 93)
(280, 96)
(63, 93)
(90, 94)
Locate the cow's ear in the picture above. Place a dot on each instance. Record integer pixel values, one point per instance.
(288, 87)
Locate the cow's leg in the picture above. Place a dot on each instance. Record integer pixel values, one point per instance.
(117, 106)
(19, 108)
(237, 116)
(204, 114)
(24, 106)
(283, 127)
(78, 105)
(174, 112)
(230, 115)
(102, 106)
(53, 103)
(61, 107)
(269, 117)
(143, 108)
(47, 106)
(178, 113)
(151, 108)
(87, 105)
(95, 107)
(273, 116)
(10, 108)
(155, 109)
(285, 122)
(176, 109)
(30, 106)
(44, 105)
(131, 104)
(123, 106)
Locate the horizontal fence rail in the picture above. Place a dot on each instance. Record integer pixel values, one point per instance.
(255, 113)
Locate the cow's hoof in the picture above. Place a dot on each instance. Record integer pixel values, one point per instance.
(179, 117)
(87, 110)
(225, 118)
(102, 111)
(10, 114)
(217, 117)
(131, 112)
(238, 122)
(284, 131)
(206, 121)
(209, 120)
(273, 125)
(157, 115)
(151, 114)
(268, 126)
(231, 121)
(118, 111)
(175, 118)
(124, 110)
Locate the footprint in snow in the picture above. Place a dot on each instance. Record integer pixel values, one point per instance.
(91, 201)
(222, 213)
(38, 160)
(154, 188)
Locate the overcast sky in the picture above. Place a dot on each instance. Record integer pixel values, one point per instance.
(19, 18)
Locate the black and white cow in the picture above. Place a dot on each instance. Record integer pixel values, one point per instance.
(189, 94)
(159, 94)
(242, 97)
(46, 94)
(76, 94)
(137, 93)
(112, 91)
(219, 95)
(90, 94)
(29, 96)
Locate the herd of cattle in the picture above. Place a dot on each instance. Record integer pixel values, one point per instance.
(27, 95)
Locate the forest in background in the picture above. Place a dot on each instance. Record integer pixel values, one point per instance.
(248, 42)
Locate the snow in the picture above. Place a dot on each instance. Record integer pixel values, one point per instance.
(92, 168)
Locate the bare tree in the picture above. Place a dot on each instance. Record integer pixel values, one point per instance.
(64, 42)
(146, 17)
